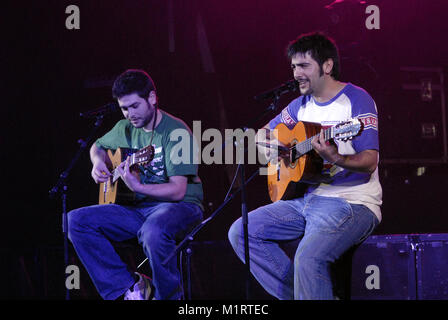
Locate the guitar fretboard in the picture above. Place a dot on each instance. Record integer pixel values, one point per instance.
(306, 146)
(116, 173)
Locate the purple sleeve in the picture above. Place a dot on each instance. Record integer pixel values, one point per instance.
(364, 108)
(288, 115)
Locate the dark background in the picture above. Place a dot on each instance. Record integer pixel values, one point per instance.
(208, 60)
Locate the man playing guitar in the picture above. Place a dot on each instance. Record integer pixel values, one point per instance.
(334, 214)
(167, 202)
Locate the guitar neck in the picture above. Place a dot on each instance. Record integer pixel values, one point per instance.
(306, 146)
(116, 173)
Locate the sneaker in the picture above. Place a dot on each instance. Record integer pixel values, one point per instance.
(141, 290)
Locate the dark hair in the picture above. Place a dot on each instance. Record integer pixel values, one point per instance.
(133, 81)
(320, 47)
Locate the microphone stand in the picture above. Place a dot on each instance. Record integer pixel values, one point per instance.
(61, 188)
(244, 214)
(185, 243)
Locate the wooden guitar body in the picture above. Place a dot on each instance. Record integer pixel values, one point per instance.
(290, 177)
(115, 192)
(286, 179)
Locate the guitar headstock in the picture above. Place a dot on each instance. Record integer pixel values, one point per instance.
(348, 129)
(143, 155)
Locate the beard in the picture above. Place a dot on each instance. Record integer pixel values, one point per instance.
(143, 120)
(305, 87)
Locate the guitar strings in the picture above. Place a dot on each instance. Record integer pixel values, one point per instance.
(306, 146)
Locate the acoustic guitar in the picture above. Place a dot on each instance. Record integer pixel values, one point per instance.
(114, 190)
(291, 176)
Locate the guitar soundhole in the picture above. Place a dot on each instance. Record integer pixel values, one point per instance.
(293, 155)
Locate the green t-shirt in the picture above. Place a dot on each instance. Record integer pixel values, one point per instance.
(125, 136)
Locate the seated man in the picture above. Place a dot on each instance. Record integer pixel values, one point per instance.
(334, 214)
(167, 204)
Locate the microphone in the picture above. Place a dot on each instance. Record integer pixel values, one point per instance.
(289, 86)
(101, 111)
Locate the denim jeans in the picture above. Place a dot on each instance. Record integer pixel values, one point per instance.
(157, 225)
(327, 227)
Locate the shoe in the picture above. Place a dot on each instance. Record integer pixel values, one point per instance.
(141, 290)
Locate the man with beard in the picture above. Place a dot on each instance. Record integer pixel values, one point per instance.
(334, 214)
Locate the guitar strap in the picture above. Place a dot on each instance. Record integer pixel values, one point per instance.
(152, 134)
(154, 123)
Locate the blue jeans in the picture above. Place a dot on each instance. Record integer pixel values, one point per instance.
(157, 225)
(327, 227)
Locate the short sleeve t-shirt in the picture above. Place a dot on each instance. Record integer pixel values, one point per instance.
(125, 136)
(350, 102)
